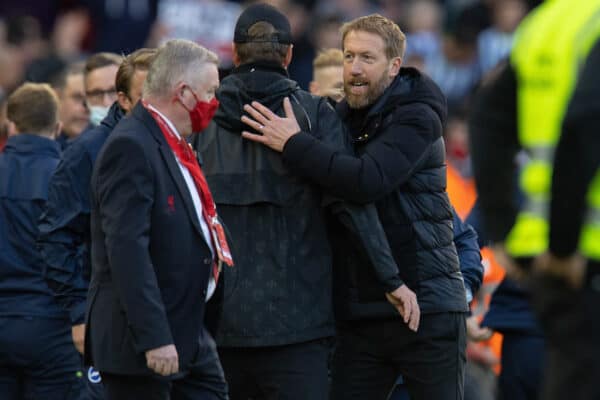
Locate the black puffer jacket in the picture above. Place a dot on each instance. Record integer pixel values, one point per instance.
(280, 289)
(400, 165)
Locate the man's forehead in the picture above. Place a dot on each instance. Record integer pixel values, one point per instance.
(363, 39)
(102, 78)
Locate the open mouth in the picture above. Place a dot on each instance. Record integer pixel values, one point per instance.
(358, 87)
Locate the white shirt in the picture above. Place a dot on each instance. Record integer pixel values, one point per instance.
(197, 205)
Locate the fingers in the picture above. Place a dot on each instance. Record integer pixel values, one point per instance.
(413, 323)
(268, 114)
(164, 361)
(255, 138)
(164, 367)
(257, 117)
(252, 123)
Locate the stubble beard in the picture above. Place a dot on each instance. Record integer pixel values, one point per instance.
(373, 93)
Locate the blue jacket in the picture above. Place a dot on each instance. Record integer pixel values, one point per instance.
(467, 247)
(65, 224)
(26, 166)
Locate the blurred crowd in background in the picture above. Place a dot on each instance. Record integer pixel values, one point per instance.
(456, 42)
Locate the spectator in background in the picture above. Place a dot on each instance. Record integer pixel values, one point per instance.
(99, 82)
(456, 68)
(64, 227)
(37, 356)
(461, 185)
(495, 42)
(121, 26)
(72, 112)
(328, 75)
(12, 67)
(423, 20)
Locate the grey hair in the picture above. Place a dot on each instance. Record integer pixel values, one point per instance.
(177, 60)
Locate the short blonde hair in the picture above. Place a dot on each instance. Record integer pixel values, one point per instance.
(33, 108)
(393, 38)
(328, 58)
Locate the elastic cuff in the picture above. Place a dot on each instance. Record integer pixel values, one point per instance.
(297, 145)
(393, 284)
(469, 294)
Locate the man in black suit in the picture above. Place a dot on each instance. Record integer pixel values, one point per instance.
(157, 244)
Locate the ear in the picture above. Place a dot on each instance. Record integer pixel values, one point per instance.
(288, 56)
(396, 63)
(57, 129)
(124, 102)
(236, 57)
(313, 87)
(12, 128)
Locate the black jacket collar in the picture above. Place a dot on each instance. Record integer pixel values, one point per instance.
(265, 66)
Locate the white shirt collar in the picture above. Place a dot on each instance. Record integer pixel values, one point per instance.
(167, 120)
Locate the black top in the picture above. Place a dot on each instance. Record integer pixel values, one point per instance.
(577, 159)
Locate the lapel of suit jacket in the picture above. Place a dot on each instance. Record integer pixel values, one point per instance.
(169, 158)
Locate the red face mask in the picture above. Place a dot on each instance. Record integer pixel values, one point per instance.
(202, 113)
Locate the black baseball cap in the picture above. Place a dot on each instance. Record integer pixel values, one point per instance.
(263, 13)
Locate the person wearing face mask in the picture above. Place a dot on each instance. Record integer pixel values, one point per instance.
(99, 81)
(64, 225)
(37, 358)
(158, 245)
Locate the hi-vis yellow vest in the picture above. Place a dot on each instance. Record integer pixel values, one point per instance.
(551, 46)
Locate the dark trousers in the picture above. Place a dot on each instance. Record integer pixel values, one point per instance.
(370, 355)
(522, 364)
(203, 380)
(38, 360)
(290, 372)
(94, 390)
(571, 323)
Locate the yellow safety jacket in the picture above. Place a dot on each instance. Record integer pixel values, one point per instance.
(550, 48)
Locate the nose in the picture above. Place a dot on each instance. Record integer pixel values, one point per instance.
(356, 67)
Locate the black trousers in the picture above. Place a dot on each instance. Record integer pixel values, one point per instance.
(370, 355)
(38, 360)
(203, 380)
(290, 372)
(571, 323)
(522, 365)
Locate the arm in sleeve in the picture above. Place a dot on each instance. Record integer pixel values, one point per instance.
(494, 144)
(577, 160)
(387, 162)
(465, 240)
(125, 197)
(363, 222)
(64, 230)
